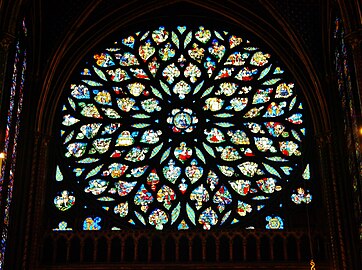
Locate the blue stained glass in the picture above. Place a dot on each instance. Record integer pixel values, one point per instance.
(92, 224)
(274, 223)
(183, 225)
(129, 41)
(181, 29)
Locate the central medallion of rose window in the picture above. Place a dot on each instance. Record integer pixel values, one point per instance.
(182, 120)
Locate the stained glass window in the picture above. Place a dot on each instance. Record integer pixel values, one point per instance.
(12, 128)
(180, 128)
(348, 104)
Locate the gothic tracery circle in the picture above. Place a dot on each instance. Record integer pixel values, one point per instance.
(179, 127)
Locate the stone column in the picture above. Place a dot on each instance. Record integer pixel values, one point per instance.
(331, 182)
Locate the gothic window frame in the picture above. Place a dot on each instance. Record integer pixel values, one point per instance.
(165, 90)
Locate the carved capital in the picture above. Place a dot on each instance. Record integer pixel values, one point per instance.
(6, 40)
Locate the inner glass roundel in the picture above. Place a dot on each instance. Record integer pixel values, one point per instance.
(179, 128)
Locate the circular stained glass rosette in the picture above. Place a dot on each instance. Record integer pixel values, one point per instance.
(182, 128)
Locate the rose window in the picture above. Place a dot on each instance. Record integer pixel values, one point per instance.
(181, 128)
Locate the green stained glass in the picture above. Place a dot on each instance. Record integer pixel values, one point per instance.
(224, 115)
(88, 160)
(100, 73)
(175, 213)
(69, 137)
(225, 217)
(190, 214)
(296, 135)
(271, 81)
(94, 171)
(165, 88)
(156, 92)
(306, 173)
(200, 154)
(292, 103)
(271, 170)
(92, 83)
(175, 40)
(209, 150)
(145, 35)
(264, 72)
(224, 124)
(140, 125)
(72, 104)
(198, 87)
(218, 35)
(59, 175)
(140, 217)
(207, 91)
(156, 150)
(188, 39)
(165, 155)
(250, 48)
(141, 116)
